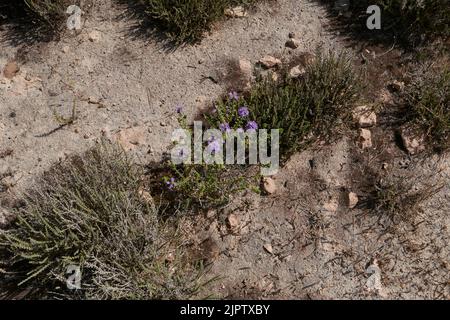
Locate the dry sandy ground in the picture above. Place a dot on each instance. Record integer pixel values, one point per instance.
(126, 86)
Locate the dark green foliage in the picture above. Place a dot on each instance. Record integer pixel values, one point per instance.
(312, 104)
(428, 101)
(188, 20)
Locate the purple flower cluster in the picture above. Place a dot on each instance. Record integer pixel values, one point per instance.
(233, 95)
(179, 108)
(171, 183)
(224, 127)
(213, 145)
(251, 125)
(243, 112)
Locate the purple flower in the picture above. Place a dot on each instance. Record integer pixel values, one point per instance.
(251, 125)
(179, 108)
(243, 112)
(224, 127)
(171, 183)
(240, 130)
(233, 95)
(213, 145)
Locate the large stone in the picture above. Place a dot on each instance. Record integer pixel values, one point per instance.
(412, 144)
(11, 69)
(245, 68)
(270, 62)
(365, 116)
(365, 139)
(236, 12)
(296, 72)
(131, 137)
(269, 185)
(293, 43)
(352, 200)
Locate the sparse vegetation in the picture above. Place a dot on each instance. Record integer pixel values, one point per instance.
(398, 199)
(311, 104)
(411, 21)
(93, 213)
(428, 101)
(415, 18)
(188, 20)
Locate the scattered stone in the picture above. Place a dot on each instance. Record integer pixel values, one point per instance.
(365, 138)
(413, 145)
(296, 72)
(145, 195)
(270, 62)
(65, 49)
(269, 185)
(131, 137)
(365, 117)
(5, 217)
(210, 214)
(10, 70)
(236, 12)
(245, 68)
(352, 200)
(396, 86)
(293, 43)
(233, 222)
(268, 248)
(94, 36)
(291, 35)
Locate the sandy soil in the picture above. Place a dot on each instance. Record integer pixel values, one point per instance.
(126, 87)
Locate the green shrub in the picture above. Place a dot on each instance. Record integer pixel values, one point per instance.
(428, 99)
(417, 16)
(311, 104)
(91, 213)
(398, 199)
(188, 20)
(202, 186)
(49, 12)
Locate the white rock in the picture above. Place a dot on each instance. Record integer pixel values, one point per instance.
(296, 72)
(269, 61)
(352, 200)
(236, 12)
(268, 248)
(293, 43)
(232, 221)
(245, 67)
(11, 69)
(269, 185)
(364, 116)
(365, 138)
(412, 144)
